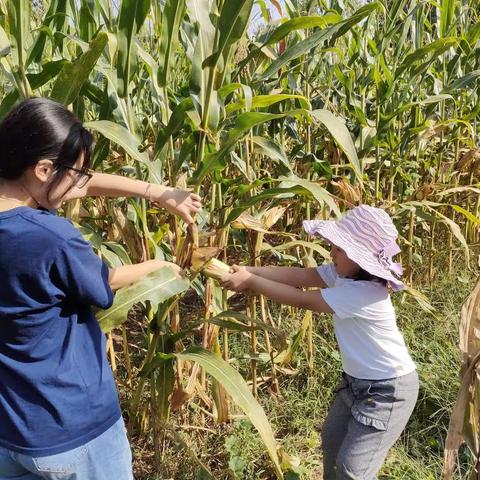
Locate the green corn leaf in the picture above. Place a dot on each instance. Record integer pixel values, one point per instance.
(19, 15)
(243, 124)
(176, 122)
(317, 38)
(237, 388)
(273, 150)
(119, 135)
(231, 27)
(319, 193)
(264, 101)
(302, 23)
(432, 50)
(462, 82)
(342, 137)
(155, 287)
(447, 17)
(73, 75)
(132, 16)
(173, 13)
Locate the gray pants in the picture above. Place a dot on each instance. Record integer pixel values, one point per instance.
(364, 421)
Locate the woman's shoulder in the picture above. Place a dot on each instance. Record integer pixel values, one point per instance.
(50, 226)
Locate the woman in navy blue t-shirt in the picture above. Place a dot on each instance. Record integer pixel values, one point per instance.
(59, 409)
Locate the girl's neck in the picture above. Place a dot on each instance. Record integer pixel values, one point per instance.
(13, 194)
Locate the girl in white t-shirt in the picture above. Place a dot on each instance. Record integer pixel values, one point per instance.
(379, 385)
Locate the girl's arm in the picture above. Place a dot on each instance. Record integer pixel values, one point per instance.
(127, 274)
(242, 280)
(294, 276)
(176, 201)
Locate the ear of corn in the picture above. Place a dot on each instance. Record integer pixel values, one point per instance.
(203, 260)
(215, 268)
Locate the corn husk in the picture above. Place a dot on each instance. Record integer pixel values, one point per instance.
(187, 246)
(203, 260)
(216, 269)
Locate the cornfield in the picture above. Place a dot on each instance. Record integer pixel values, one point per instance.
(334, 104)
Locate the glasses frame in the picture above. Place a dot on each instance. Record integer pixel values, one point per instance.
(85, 174)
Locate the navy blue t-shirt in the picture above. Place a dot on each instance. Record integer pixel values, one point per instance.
(57, 390)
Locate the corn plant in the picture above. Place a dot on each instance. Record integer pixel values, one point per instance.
(333, 105)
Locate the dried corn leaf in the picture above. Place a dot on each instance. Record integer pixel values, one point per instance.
(433, 131)
(347, 192)
(465, 418)
(248, 222)
(179, 398)
(467, 159)
(272, 216)
(424, 192)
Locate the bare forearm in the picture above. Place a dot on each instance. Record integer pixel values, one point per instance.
(288, 295)
(125, 275)
(179, 202)
(293, 276)
(106, 185)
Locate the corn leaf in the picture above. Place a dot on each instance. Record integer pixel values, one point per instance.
(239, 392)
(155, 287)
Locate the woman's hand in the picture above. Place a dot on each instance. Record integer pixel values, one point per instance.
(178, 271)
(179, 202)
(238, 281)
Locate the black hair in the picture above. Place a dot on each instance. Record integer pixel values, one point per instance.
(41, 129)
(364, 275)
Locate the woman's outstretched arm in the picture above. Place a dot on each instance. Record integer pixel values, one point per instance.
(178, 202)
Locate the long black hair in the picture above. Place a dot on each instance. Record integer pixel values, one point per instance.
(41, 129)
(364, 275)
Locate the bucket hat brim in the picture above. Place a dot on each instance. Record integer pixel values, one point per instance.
(330, 231)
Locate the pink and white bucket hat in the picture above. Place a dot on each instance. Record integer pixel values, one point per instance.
(368, 237)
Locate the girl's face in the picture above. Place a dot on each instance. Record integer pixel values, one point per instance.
(343, 265)
(40, 182)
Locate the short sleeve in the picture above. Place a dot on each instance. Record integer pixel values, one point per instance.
(359, 299)
(328, 273)
(81, 274)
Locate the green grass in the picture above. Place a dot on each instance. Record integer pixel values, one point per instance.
(235, 451)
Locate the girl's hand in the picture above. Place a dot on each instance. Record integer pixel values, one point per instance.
(238, 281)
(179, 202)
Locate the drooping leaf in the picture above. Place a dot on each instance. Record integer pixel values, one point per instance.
(237, 388)
(156, 287)
(340, 133)
(319, 193)
(119, 135)
(273, 150)
(243, 124)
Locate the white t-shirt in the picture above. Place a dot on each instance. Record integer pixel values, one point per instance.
(370, 343)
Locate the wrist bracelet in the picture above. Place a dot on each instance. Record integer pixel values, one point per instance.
(148, 193)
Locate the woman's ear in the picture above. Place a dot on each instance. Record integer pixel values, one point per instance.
(43, 170)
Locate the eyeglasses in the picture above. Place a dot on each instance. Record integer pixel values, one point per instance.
(84, 175)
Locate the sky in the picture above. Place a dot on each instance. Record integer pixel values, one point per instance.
(257, 17)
